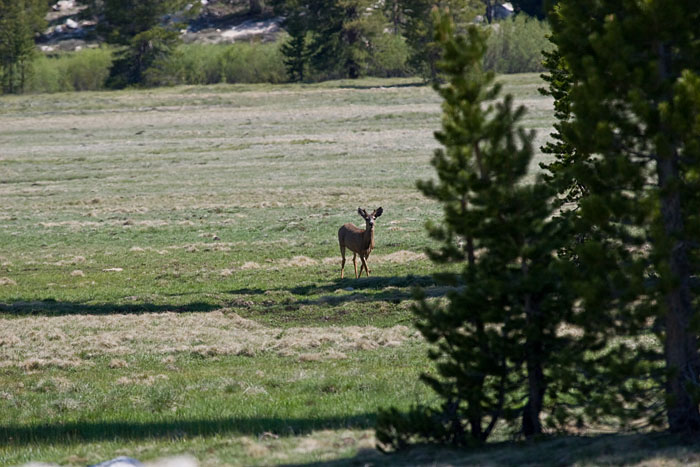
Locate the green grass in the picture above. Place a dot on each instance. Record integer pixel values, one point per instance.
(169, 274)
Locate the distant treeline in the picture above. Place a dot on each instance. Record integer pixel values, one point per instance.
(325, 39)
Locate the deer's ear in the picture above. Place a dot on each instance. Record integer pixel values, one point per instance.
(378, 212)
(362, 213)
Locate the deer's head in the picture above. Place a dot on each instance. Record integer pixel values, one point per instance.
(369, 218)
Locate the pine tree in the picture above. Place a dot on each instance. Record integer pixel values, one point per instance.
(19, 21)
(635, 107)
(147, 31)
(608, 369)
(344, 32)
(139, 62)
(497, 345)
(419, 29)
(334, 38)
(121, 20)
(295, 49)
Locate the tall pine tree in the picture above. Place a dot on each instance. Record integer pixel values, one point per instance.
(635, 106)
(144, 29)
(419, 29)
(606, 276)
(498, 347)
(333, 38)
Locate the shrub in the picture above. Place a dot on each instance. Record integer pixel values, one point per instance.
(229, 63)
(84, 70)
(389, 57)
(189, 64)
(254, 63)
(515, 45)
(87, 70)
(47, 75)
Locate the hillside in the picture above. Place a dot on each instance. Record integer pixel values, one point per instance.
(219, 21)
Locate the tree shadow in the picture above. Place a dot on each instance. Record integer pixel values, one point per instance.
(56, 433)
(364, 284)
(418, 84)
(603, 449)
(59, 308)
(394, 289)
(390, 289)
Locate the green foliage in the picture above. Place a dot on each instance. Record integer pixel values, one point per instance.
(535, 8)
(88, 70)
(497, 345)
(632, 90)
(419, 30)
(148, 32)
(296, 55)
(143, 59)
(19, 21)
(210, 64)
(559, 84)
(332, 38)
(343, 37)
(515, 45)
(253, 63)
(389, 57)
(84, 70)
(121, 20)
(297, 23)
(399, 430)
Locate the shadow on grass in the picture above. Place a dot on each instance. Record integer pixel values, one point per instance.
(58, 308)
(97, 431)
(607, 449)
(340, 291)
(393, 289)
(361, 285)
(417, 84)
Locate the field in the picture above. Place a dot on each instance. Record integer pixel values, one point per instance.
(170, 275)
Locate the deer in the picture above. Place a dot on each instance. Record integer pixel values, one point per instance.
(360, 242)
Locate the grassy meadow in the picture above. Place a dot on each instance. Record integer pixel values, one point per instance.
(170, 275)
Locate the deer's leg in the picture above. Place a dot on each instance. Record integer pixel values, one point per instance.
(354, 263)
(342, 263)
(364, 265)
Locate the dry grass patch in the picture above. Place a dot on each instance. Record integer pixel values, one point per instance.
(298, 262)
(399, 257)
(32, 343)
(7, 281)
(141, 379)
(402, 256)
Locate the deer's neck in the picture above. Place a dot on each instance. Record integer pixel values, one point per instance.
(368, 240)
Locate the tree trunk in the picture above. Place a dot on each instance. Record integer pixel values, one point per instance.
(680, 346)
(489, 11)
(396, 18)
(532, 426)
(256, 7)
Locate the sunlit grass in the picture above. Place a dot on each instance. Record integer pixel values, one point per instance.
(170, 275)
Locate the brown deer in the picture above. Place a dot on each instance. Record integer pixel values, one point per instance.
(360, 242)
